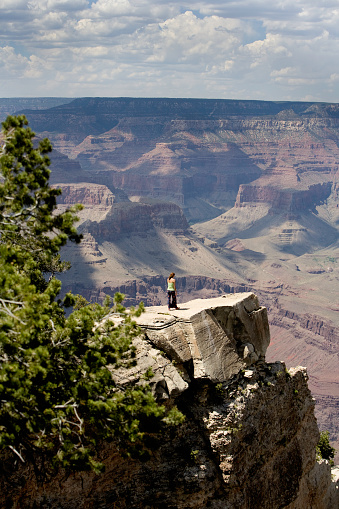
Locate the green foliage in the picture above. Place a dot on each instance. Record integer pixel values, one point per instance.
(218, 393)
(148, 374)
(324, 449)
(57, 393)
(79, 302)
(27, 202)
(220, 390)
(174, 417)
(332, 259)
(194, 455)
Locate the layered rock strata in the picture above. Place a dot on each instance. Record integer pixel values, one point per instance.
(249, 436)
(108, 214)
(189, 150)
(136, 218)
(89, 195)
(284, 199)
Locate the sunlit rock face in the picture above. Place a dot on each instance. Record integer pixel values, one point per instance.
(249, 436)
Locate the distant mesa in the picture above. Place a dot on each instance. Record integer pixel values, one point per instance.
(107, 216)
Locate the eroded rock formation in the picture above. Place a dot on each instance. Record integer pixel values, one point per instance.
(199, 152)
(136, 218)
(249, 437)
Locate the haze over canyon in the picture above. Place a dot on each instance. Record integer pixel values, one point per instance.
(233, 196)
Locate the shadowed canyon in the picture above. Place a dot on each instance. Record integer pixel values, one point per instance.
(233, 196)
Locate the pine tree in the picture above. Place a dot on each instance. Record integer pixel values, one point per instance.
(57, 394)
(324, 449)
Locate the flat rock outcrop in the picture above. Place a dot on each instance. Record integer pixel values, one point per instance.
(213, 338)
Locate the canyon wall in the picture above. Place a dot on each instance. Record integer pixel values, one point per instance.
(288, 200)
(136, 218)
(179, 150)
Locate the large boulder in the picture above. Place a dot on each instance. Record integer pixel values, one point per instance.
(210, 338)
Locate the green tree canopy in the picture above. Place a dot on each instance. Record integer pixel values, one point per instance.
(57, 394)
(27, 202)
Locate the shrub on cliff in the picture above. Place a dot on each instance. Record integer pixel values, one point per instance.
(324, 449)
(57, 395)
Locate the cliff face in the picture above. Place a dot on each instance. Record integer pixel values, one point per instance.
(90, 195)
(284, 199)
(107, 214)
(249, 438)
(300, 333)
(136, 218)
(64, 169)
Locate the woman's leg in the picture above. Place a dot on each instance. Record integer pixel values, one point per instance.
(174, 300)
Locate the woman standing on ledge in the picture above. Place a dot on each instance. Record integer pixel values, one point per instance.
(172, 292)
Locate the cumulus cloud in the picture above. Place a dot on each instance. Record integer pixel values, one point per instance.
(188, 39)
(112, 7)
(57, 5)
(11, 63)
(238, 49)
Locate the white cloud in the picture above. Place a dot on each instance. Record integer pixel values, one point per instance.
(12, 4)
(90, 28)
(239, 48)
(57, 5)
(35, 67)
(112, 7)
(286, 71)
(11, 63)
(188, 39)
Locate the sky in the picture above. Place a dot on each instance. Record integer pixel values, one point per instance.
(229, 49)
